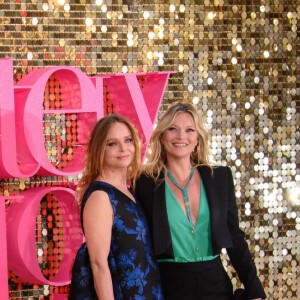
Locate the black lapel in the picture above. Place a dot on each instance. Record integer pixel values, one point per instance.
(207, 179)
(161, 229)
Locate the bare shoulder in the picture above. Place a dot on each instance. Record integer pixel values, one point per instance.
(98, 210)
(98, 200)
(98, 218)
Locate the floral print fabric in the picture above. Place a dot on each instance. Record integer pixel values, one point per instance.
(131, 261)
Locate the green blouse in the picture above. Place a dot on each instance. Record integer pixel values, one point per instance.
(191, 243)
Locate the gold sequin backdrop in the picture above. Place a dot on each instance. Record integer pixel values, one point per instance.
(237, 60)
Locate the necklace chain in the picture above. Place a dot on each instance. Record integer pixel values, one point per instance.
(184, 191)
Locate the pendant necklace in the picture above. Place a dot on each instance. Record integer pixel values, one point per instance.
(184, 191)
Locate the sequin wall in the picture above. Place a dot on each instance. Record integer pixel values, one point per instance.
(238, 61)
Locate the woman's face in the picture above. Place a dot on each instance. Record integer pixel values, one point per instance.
(181, 137)
(119, 148)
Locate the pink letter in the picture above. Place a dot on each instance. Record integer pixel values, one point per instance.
(22, 149)
(78, 95)
(21, 231)
(138, 97)
(9, 166)
(3, 252)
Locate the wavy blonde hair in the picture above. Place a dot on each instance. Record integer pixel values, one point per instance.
(157, 158)
(94, 156)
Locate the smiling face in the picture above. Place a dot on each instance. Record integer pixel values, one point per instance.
(181, 137)
(119, 148)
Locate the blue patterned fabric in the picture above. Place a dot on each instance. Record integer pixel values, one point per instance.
(131, 261)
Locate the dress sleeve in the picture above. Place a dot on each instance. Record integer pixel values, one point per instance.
(239, 254)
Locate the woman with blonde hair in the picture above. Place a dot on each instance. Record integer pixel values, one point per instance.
(192, 213)
(116, 261)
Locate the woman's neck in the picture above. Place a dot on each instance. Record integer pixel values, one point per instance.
(117, 178)
(180, 169)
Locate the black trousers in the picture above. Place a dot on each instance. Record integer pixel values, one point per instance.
(205, 280)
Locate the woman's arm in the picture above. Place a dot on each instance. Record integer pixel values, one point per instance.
(239, 254)
(97, 223)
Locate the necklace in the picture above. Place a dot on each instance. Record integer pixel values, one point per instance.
(184, 191)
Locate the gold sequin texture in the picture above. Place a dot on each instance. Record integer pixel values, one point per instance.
(237, 61)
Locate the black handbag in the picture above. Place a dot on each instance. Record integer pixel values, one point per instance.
(239, 294)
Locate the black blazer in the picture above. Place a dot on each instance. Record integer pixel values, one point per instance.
(225, 231)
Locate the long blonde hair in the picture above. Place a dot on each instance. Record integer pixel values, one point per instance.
(157, 158)
(94, 157)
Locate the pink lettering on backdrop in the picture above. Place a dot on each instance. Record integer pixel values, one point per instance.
(22, 149)
(3, 253)
(125, 92)
(21, 233)
(23, 154)
(60, 297)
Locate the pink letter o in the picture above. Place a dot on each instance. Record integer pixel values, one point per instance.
(21, 235)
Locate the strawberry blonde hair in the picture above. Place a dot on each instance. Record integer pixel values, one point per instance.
(94, 157)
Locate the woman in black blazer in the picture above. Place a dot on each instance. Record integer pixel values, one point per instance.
(192, 213)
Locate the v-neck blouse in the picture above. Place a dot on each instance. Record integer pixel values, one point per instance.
(191, 243)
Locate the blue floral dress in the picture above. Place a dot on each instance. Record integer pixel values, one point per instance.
(131, 261)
